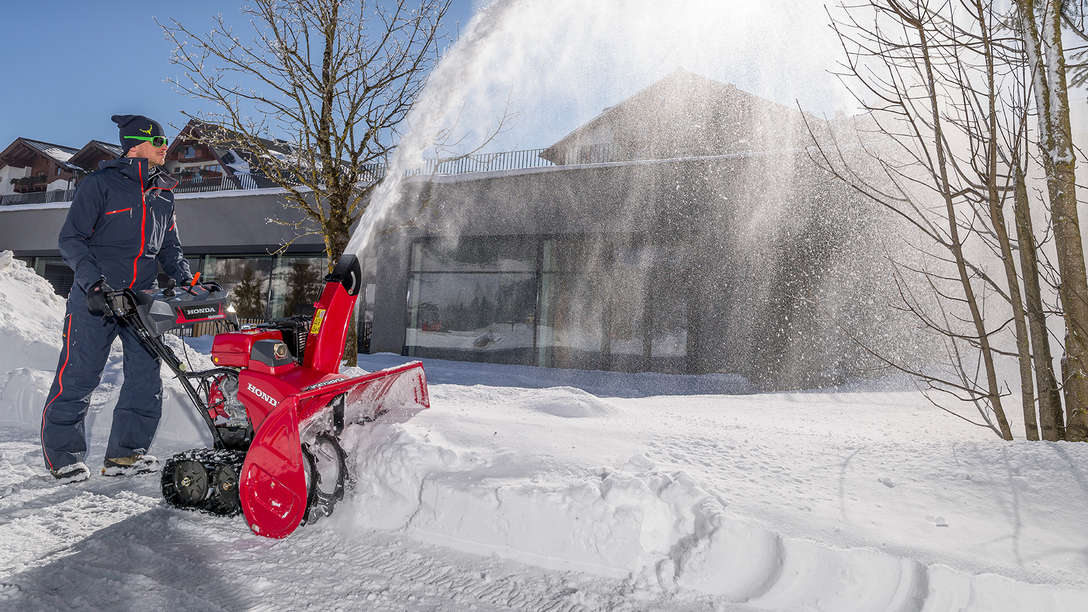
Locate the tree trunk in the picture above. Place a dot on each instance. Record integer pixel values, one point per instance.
(1059, 162)
(955, 245)
(1050, 401)
(1023, 349)
(1001, 232)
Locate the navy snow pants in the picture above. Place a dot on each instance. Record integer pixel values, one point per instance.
(87, 341)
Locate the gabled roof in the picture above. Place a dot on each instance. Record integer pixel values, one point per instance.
(21, 152)
(227, 139)
(683, 101)
(227, 146)
(84, 158)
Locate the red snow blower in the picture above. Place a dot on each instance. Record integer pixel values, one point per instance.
(275, 403)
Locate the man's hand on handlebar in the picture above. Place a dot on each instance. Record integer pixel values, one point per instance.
(96, 298)
(209, 286)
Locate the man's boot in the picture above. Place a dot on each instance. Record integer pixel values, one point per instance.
(73, 472)
(135, 463)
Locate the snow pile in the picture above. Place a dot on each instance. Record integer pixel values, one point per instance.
(658, 529)
(800, 501)
(31, 334)
(31, 318)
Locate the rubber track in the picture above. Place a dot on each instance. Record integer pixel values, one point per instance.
(218, 502)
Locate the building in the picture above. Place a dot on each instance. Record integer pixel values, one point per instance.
(94, 153)
(29, 167)
(683, 230)
(205, 157)
(683, 115)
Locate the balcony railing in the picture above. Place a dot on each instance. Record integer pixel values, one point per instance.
(38, 197)
(479, 162)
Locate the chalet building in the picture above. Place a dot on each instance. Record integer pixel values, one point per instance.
(93, 153)
(31, 166)
(208, 158)
(682, 230)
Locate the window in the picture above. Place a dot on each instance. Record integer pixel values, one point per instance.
(297, 282)
(475, 298)
(57, 273)
(247, 280)
(189, 153)
(212, 168)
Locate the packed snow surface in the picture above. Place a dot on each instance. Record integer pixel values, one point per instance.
(527, 488)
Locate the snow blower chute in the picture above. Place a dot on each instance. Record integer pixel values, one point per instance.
(275, 403)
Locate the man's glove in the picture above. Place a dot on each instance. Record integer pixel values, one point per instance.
(96, 298)
(209, 286)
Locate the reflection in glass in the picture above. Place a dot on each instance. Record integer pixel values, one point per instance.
(297, 282)
(247, 281)
(571, 302)
(455, 314)
(475, 254)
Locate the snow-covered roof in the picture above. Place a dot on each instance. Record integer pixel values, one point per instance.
(58, 153)
(87, 158)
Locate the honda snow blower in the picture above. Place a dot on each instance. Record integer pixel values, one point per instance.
(275, 403)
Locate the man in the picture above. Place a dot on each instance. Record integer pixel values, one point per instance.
(119, 229)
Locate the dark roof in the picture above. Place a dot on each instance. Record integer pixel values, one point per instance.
(109, 146)
(680, 100)
(58, 153)
(228, 138)
(82, 158)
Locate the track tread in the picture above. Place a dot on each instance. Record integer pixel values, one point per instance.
(218, 502)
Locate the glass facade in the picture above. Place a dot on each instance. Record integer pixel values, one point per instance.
(571, 302)
(474, 300)
(56, 272)
(262, 287)
(247, 279)
(297, 282)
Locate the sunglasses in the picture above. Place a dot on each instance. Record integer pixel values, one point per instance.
(156, 141)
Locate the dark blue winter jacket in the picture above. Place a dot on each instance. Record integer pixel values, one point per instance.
(120, 224)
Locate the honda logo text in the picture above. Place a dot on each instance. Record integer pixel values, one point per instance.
(261, 394)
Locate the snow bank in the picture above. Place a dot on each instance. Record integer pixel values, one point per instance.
(31, 316)
(659, 529)
(31, 328)
(562, 479)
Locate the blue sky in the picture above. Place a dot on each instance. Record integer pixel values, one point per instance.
(71, 64)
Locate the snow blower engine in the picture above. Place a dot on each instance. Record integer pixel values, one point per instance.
(275, 403)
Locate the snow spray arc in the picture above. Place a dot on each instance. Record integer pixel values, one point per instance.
(744, 240)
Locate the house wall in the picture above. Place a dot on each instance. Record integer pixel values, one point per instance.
(52, 171)
(90, 161)
(215, 224)
(203, 157)
(738, 260)
(59, 184)
(11, 172)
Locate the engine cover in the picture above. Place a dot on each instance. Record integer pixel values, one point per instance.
(233, 350)
(164, 310)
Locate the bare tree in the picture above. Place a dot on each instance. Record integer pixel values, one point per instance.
(951, 87)
(1041, 28)
(333, 78)
(939, 81)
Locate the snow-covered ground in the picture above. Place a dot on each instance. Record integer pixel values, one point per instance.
(526, 488)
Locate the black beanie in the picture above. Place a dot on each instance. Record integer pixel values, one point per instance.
(135, 125)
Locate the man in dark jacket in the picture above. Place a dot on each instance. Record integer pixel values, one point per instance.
(120, 228)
